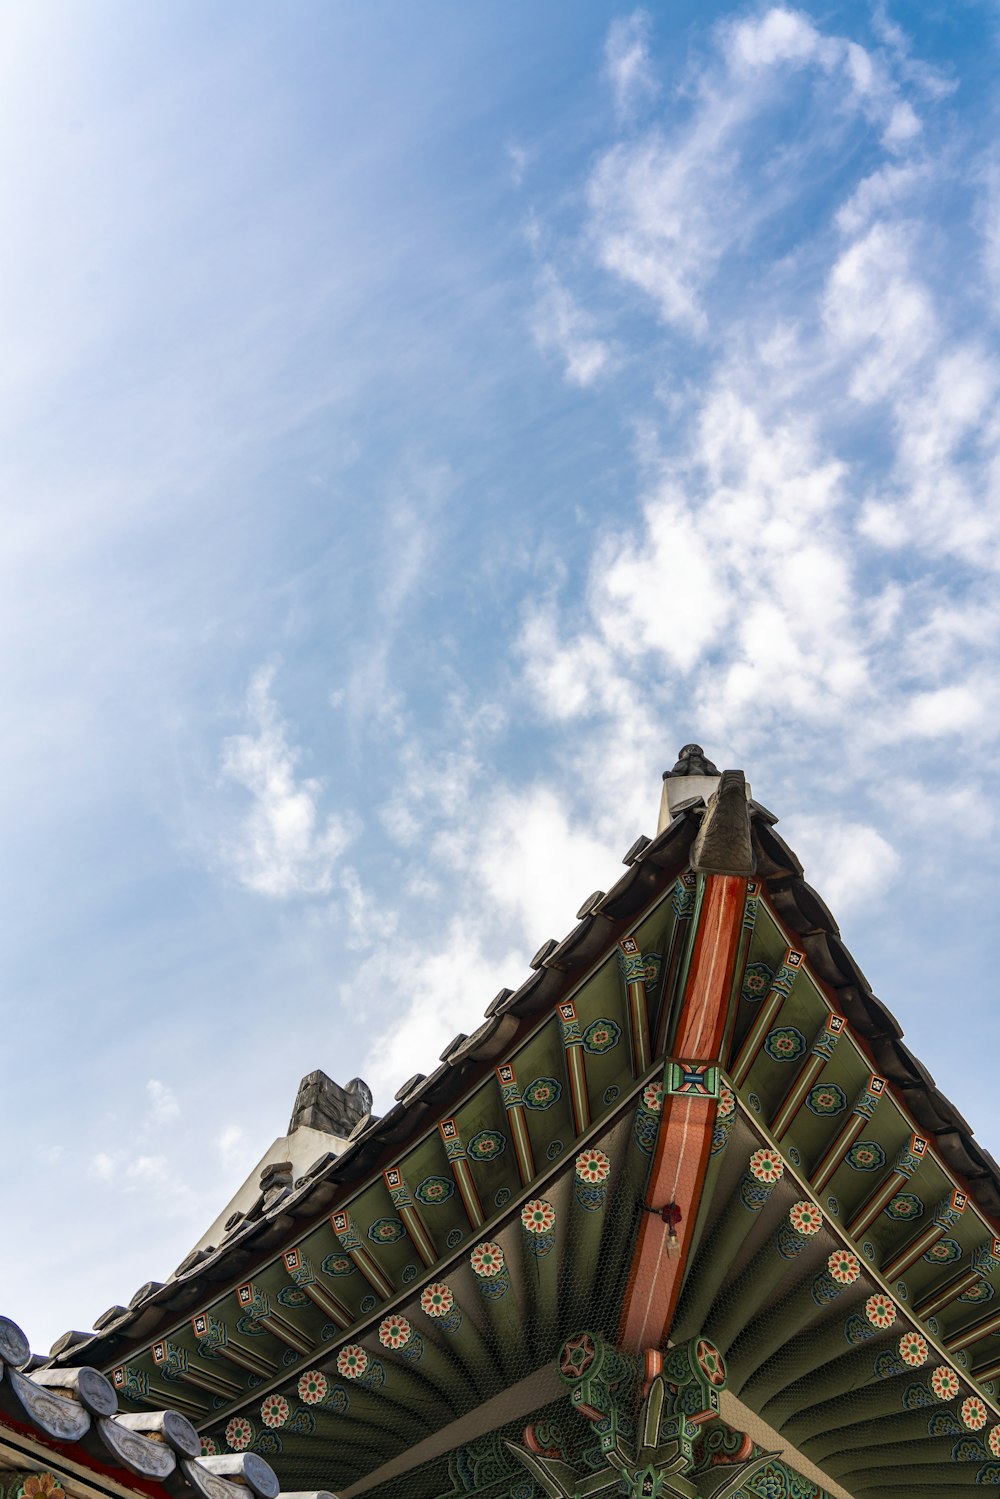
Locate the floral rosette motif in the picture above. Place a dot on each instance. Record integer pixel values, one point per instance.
(209, 1447)
(352, 1361)
(601, 1036)
(394, 1331)
(542, 1093)
(274, 1410)
(826, 1098)
(806, 1218)
(727, 1102)
(313, 1387)
(386, 1231)
(785, 1043)
(538, 1220)
(868, 1155)
(766, 1166)
(944, 1252)
(538, 1216)
(652, 1097)
(974, 1413)
(593, 1166)
(239, 1434)
(993, 1440)
(42, 1486)
(437, 1299)
(844, 1267)
(913, 1349)
(487, 1260)
(880, 1310)
(434, 1190)
(944, 1382)
(756, 981)
(488, 1266)
(487, 1145)
(904, 1207)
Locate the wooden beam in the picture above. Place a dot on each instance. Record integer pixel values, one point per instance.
(402, 1200)
(862, 1112)
(822, 1050)
(632, 968)
(685, 1135)
(350, 1240)
(576, 1064)
(513, 1102)
(906, 1162)
(781, 988)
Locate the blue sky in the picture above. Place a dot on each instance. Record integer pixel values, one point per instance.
(418, 421)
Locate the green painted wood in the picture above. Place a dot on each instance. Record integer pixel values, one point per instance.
(711, 1268)
(880, 1398)
(907, 1425)
(934, 1454)
(854, 1370)
(584, 1236)
(801, 1355)
(539, 1272)
(771, 1265)
(776, 1326)
(456, 1331)
(940, 1482)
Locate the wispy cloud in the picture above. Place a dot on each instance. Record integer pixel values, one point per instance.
(235, 1151)
(163, 1105)
(564, 328)
(627, 61)
(283, 845)
(668, 205)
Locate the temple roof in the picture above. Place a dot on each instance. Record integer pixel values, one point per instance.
(317, 1294)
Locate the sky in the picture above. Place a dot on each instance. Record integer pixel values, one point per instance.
(416, 423)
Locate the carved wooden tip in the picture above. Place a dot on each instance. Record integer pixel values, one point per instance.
(723, 845)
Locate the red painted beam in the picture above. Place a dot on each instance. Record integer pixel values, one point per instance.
(685, 1135)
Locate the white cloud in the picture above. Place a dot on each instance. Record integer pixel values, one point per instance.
(536, 862)
(878, 312)
(517, 157)
(850, 862)
(778, 36)
(914, 806)
(163, 1105)
(562, 327)
(738, 587)
(883, 189)
(948, 710)
(284, 847)
(449, 982)
(669, 205)
(627, 61)
(902, 126)
(233, 1148)
(522, 869)
(101, 1167)
(157, 1176)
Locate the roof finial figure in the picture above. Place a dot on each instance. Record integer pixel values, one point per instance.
(691, 762)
